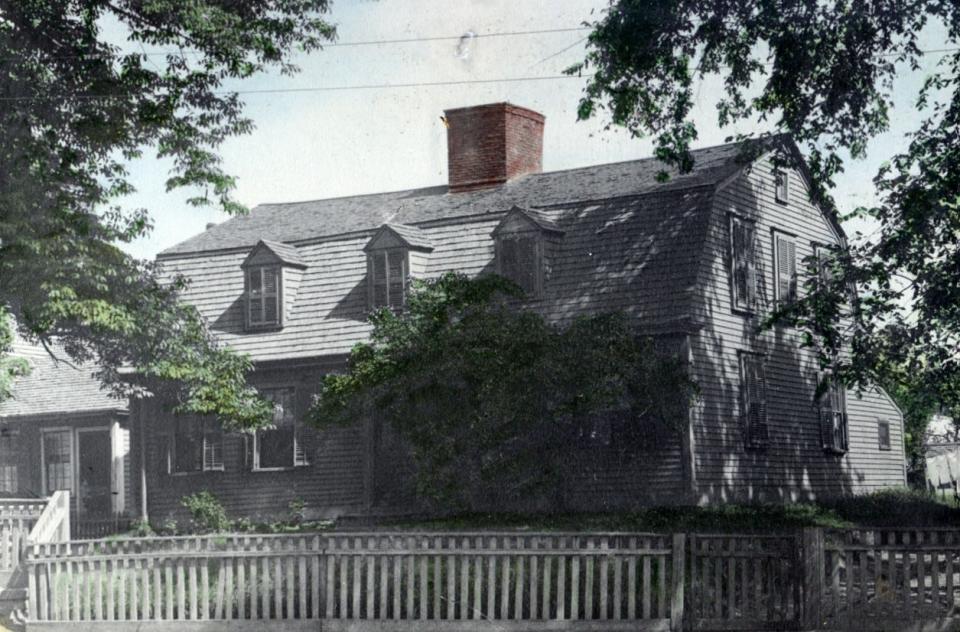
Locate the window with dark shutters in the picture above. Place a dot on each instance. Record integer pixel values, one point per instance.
(195, 445)
(883, 434)
(753, 397)
(743, 264)
(279, 447)
(388, 278)
(833, 418)
(518, 259)
(785, 265)
(263, 296)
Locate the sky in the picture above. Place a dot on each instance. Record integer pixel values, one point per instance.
(311, 144)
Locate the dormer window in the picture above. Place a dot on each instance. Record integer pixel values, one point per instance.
(388, 278)
(519, 242)
(263, 296)
(394, 254)
(271, 272)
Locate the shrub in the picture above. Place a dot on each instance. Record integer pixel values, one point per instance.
(207, 512)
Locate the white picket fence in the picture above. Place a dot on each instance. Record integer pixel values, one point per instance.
(416, 581)
(17, 517)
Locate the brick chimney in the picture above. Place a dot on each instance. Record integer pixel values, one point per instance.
(488, 145)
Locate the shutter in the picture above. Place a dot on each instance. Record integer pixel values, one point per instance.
(786, 266)
(782, 184)
(163, 455)
(750, 264)
(271, 295)
(255, 296)
(742, 257)
(754, 398)
(379, 279)
(247, 451)
(396, 276)
(827, 420)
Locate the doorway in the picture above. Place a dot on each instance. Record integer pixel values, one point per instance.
(94, 493)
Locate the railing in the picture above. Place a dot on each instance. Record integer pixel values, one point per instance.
(17, 517)
(413, 581)
(53, 524)
(82, 528)
(880, 579)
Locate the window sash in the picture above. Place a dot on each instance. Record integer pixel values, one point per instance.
(883, 434)
(195, 445)
(389, 278)
(743, 263)
(9, 457)
(263, 296)
(269, 444)
(833, 419)
(753, 393)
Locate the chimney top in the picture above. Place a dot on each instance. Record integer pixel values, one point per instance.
(490, 144)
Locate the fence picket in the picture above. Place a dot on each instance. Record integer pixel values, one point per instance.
(465, 579)
(575, 582)
(561, 581)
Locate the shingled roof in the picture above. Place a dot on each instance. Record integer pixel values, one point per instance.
(54, 387)
(625, 241)
(297, 222)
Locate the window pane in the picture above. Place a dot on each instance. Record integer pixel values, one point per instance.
(786, 267)
(270, 309)
(212, 445)
(8, 462)
(519, 262)
(378, 271)
(253, 277)
(270, 280)
(56, 457)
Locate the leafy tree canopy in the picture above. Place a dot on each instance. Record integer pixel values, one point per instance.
(822, 72)
(493, 399)
(74, 110)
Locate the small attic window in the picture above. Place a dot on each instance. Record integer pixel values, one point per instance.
(395, 253)
(264, 271)
(519, 259)
(263, 296)
(519, 242)
(387, 271)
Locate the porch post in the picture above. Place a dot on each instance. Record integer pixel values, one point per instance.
(138, 407)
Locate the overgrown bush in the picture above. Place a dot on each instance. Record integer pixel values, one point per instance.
(895, 507)
(207, 512)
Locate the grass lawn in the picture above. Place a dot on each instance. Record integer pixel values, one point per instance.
(890, 508)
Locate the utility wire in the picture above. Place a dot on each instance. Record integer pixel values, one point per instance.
(409, 40)
(377, 86)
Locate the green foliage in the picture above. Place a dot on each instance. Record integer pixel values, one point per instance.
(76, 110)
(493, 399)
(11, 367)
(207, 511)
(823, 72)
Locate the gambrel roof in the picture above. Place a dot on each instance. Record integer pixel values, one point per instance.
(625, 240)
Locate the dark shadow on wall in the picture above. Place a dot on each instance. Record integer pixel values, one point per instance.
(793, 465)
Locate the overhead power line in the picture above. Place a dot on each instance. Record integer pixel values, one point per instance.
(406, 40)
(375, 86)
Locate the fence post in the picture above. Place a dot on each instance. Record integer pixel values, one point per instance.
(678, 578)
(813, 572)
(31, 582)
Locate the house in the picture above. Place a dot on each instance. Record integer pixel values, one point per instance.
(61, 430)
(696, 261)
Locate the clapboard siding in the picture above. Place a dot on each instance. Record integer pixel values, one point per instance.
(794, 464)
(331, 485)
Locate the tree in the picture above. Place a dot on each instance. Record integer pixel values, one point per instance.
(822, 72)
(74, 110)
(493, 399)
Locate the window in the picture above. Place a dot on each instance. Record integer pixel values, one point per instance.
(57, 460)
(388, 278)
(279, 447)
(833, 418)
(753, 397)
(743, 265)
(785, 268)
(518, 259)
(781, 186)
(196, 445)
(9, 455)
(823, 256)
(263, 296)
(883, 434)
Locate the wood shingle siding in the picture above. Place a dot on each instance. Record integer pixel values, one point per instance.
(794, 464)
